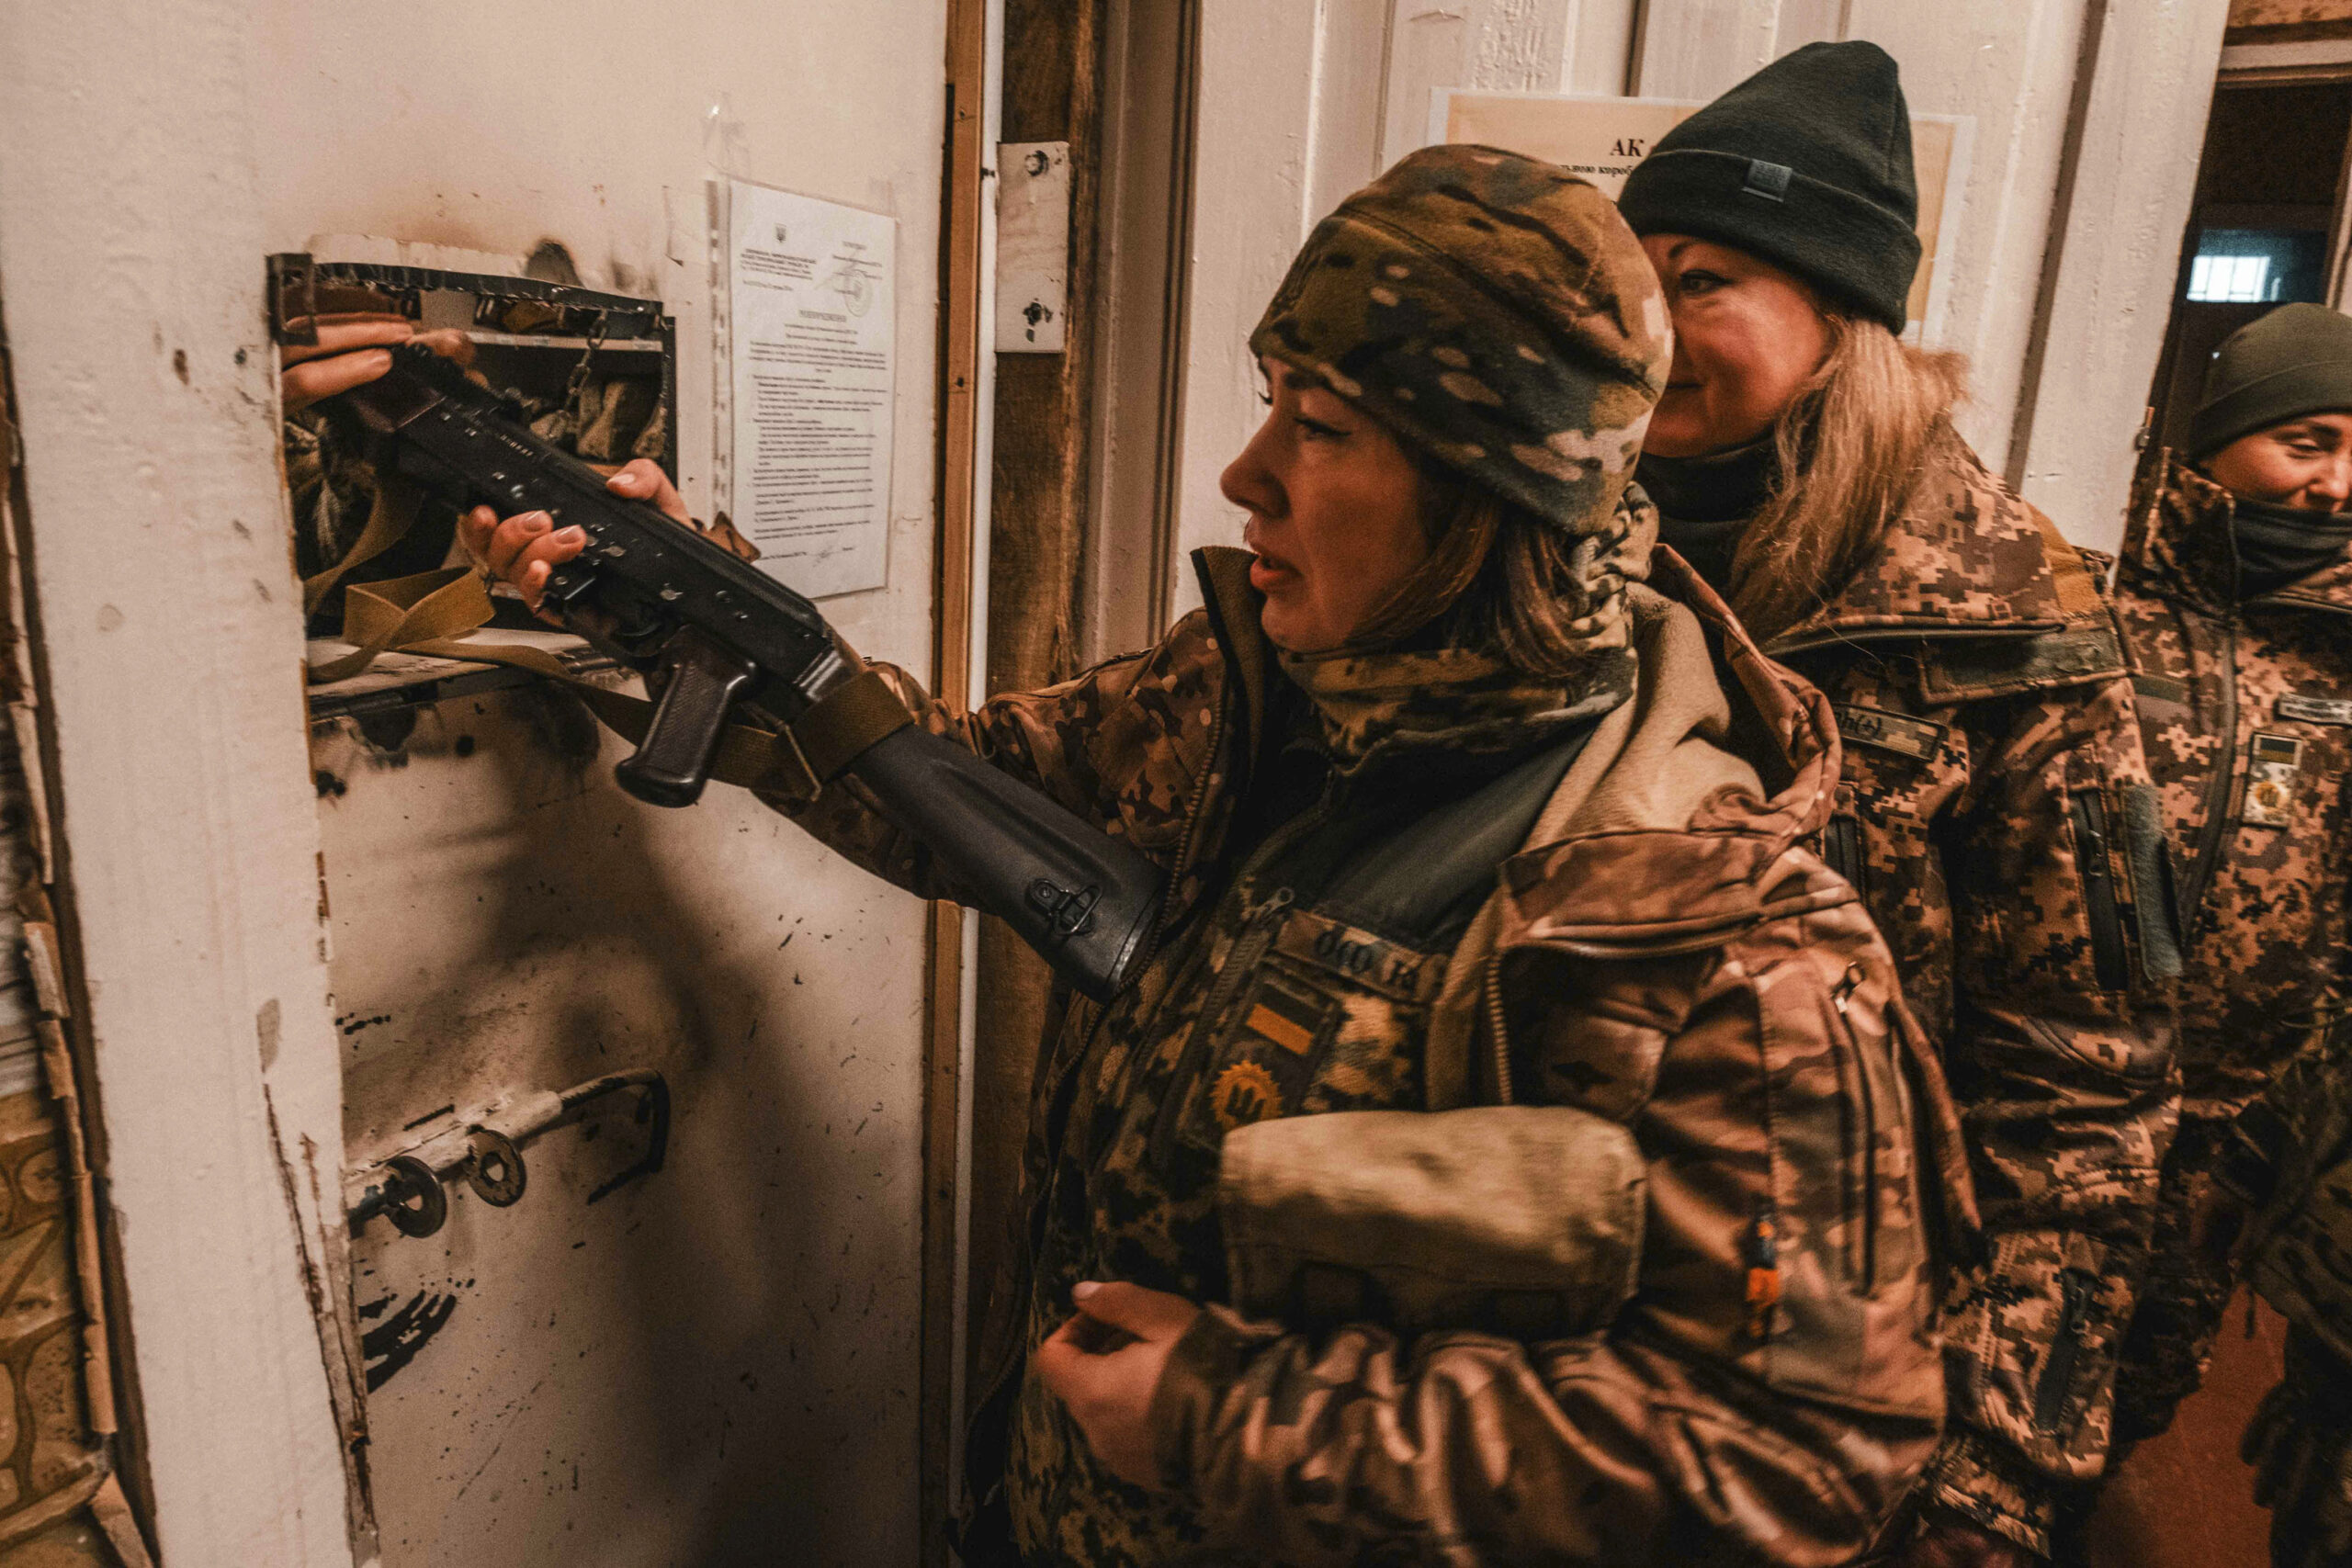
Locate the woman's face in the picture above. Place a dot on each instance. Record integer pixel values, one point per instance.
(1746, 335)
(2303, 463)
(1335, 512)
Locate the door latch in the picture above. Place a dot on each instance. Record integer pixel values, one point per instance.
(484, 1148)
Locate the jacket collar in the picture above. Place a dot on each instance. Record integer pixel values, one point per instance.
(1379, 711)
(1966, 556)
(1232, 606)
(2178, 545)
(1680, 887)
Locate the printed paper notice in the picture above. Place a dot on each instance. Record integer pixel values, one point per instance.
(809, 289)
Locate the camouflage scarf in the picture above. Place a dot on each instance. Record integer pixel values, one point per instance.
(1451, 699)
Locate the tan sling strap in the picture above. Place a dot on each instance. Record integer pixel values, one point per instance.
(852, 716)
(389, 520)
(432, 614)
(405, 615)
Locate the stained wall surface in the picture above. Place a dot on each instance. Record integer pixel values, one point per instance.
(715, 1364)
(718, 1363)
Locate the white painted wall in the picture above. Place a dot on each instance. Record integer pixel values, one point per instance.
(2089, 115)
(129, 236)
(718, 1365)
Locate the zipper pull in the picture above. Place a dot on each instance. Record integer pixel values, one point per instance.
(1272, 903)
(1762, 1248)
(1847, 987)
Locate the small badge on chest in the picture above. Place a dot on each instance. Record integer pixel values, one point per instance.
(2272, 764)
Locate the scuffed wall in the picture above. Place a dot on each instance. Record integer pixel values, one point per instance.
(715, 1363)
(300, 942)
(129, 225)
(690, 1367)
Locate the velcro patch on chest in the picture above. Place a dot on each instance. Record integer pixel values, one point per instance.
(2309, 709)
(1276, 1043)
(1992, 666)
(1288, 1016)
(1896, 732)
(2272, 762)
(1362, 958)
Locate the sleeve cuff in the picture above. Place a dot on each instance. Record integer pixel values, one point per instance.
(1206, 1362)
(1976, 1480)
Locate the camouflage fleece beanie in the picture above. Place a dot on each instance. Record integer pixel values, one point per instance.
(1494, 312)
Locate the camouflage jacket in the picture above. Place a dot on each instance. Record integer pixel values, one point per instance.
(2246, 709)
(1680, 964)
(1995, 814)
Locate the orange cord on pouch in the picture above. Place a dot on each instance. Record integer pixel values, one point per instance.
(1763, 1273)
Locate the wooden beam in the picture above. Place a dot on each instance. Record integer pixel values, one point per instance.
(960, 285)
(1695, 48)
(169, 645)
(2125, 185)
(1040, 478)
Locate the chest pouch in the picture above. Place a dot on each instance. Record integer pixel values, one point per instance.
(1524, 1221)
(1520, 1220)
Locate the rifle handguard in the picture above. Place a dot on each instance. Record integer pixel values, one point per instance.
(1085, 902)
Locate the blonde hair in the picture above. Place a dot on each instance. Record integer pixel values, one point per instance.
(1850, 444)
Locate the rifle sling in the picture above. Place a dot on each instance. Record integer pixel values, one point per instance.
(431, 613)
(389, 520)
(851, 717)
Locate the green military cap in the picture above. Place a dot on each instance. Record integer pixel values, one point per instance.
(2295, 360)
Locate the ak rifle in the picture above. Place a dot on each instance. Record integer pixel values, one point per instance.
(716, 636)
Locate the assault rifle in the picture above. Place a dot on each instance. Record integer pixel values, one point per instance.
(713, 634)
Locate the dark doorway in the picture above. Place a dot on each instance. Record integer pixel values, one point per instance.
(2264, 229)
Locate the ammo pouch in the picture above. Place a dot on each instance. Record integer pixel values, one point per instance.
(1519, 1220)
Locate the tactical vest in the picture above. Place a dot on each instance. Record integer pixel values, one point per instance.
(1322, 1000)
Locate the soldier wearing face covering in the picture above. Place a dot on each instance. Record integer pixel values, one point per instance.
(1994, 810)
(2237, 595)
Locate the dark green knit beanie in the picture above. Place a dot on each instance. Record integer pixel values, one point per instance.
(1494, 312)
(1806, 164)
(2296, 360)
